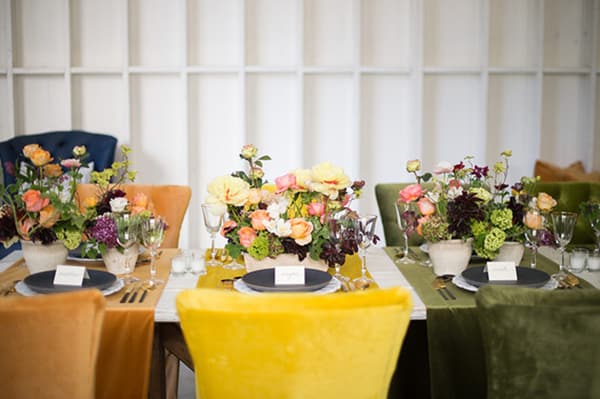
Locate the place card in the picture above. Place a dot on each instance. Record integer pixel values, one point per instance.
(289, 275)
(69, 275)
(502, 271)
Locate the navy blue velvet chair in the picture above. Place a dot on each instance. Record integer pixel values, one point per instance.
(101, 148)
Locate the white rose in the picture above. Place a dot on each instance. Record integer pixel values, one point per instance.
(215, 206)
(277, 207)
(279, 227)
(118, 204)
(454, 192)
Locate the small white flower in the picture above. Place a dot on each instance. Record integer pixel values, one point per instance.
(442, 168)
(433, 196)
(279, 227)
(277, 207)
(454, 192)
(118, 204)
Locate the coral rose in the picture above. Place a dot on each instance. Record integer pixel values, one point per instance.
(545, 202)
(329, 179)
(24, 226)
(230, 190)
(247, 236)
(426, 207)
(301, 231)
(533, 220)
(52, 170)
(49, 216)
(34, 201)
(410, 193)
(40, 157)
(258, 218)
(285, 182)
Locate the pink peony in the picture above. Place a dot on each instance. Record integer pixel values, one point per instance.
(410, 193)
(285, 182)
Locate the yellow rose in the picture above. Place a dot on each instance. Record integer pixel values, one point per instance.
(413, 166)
(40, 157)
(29, 149)
(52, 170)
(230, 190)
(329, 179)
(301, 231)
(254, 196)
(545, 202)
(302, 179)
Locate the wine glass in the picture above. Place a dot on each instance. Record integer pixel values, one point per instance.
(152, 237)
(126, 238)
(595, 224)
(405, 214)
(213, 223)
(563, 224)
(341, 229)
(365, 230)
(533, 237)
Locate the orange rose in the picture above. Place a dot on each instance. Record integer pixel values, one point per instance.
(34, 201)
(301, 231)
(29, 149)
(52, 170)
(40, 157)
(49, 216)
(533, 220)
(90, 202)
(247, 236)
(545, 202)
(258, 218)
(140, 203)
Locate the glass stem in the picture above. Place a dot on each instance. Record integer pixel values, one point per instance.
(152, 265)
(337, 269)
(405, 234)
(534, 257)
(213, 253)
(562, 260)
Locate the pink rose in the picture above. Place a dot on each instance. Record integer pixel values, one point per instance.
(70, 163)
(34, 201)
(247, 236)
(316, 209)
(410, 193)
(426, 207)
(258, 218)
(285, 182)
(443, 168)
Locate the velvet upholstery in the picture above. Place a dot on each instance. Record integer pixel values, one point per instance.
(294, 345)
(169, 201)
(49, 345)
(540, 344)
(568, 195)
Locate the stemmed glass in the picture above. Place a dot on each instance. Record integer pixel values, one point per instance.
(595, 224)
(404, 214)
(126, 238)
(340, 230)
(152, 237)
(213, 223)
(563, 224)
(365, 230)
(533, 237)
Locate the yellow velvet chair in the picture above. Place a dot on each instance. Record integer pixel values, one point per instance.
(169, 201)
(295, 345)
(49, 345)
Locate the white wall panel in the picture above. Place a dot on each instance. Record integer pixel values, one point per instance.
(271, 32)
(452, 128)
(563, 119)
(4, 115)
(99, 105)
(154, 38)
(97, 37)
(40, 104)
(385, 33)
(328, 32)
(157, 131)
(4, 32)
(213, 31)
(39, 28)
(567, 33)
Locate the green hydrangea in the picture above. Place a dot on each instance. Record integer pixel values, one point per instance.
(502, 218)
(494, 240)
(435, 229)
(71, 238)
(481, 193)
(479, 228)
(259, 248)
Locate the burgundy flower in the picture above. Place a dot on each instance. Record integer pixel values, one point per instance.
(9, 168)
(458, 166)
(480, 171)
(105, 231)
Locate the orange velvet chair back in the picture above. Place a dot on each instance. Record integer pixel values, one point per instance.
(169, 201)
(49, 345)
(294, 345)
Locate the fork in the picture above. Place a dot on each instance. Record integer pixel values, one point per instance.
(442, 284)
(436, 286)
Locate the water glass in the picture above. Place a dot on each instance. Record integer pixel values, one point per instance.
(578, 260)
(178, 265)
(593, 261)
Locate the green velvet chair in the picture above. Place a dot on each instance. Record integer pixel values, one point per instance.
(540, 344)
(568, 195)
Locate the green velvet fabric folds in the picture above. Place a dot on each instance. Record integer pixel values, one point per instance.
(540, 344)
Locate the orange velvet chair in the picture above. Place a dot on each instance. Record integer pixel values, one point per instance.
(169, 201)
(49, 345)
(294, 345)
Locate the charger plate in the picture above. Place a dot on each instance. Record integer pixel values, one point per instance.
(526, 277)
(43, 282)
(264, 281)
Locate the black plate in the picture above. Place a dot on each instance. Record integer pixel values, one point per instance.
(526, 277)
(264, 280)
(43, 282)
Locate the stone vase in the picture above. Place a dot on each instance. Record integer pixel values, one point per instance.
(450, 257)
(283, 260)
(116, 262)
(39, 257)
(511, 251)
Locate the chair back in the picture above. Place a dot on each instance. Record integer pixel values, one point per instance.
(540, 344)
(49, 345)
(169, 201)
(101, 147)
(294, 345)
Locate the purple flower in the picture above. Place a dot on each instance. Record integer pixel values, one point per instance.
(480, 171)
(105, 231)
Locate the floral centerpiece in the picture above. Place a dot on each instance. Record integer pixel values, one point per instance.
(288, 217)
(466, 200)
(40, 206)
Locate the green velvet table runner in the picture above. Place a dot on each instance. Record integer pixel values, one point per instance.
(456, 358)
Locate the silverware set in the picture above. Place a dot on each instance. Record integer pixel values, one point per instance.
(569, 282)
(439, 284)
(132, 291)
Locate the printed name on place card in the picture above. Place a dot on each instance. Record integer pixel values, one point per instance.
(502, 271)
(289, 275)
(69, 275)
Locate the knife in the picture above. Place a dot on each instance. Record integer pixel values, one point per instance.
(132, 298)
(127, 292)
(143, 295)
